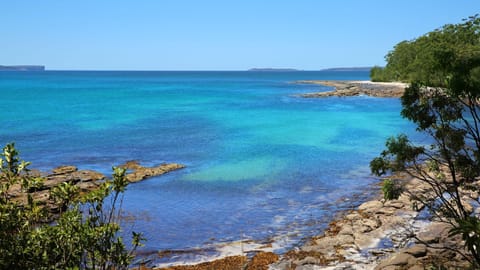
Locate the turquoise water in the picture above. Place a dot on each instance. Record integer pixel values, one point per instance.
(261, 162)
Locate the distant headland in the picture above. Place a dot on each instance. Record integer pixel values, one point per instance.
(22, 68)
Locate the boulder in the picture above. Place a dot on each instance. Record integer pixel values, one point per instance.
(435, 232)
(87, 186)
(371, 206)
(87, 176)
(353, 216)
(417, 251)
(388, 211)
(346, 230)
(327, 245)
(400, 259)
(64, 169)
(467, 205)
(55, 180)
(372, 223)
(131, 165)
(395, 204)
(72, 176)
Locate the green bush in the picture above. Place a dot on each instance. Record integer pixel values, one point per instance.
(391, 189)
(84, 236)
(380, 74)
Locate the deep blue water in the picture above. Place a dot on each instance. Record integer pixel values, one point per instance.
(261, 162)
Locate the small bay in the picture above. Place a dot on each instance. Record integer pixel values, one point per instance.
(262, 163)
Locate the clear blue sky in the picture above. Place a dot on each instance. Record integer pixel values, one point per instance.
(215, 34)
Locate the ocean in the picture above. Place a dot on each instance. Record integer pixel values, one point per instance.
(262, 164)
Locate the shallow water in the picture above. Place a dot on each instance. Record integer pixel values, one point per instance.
(261, 162)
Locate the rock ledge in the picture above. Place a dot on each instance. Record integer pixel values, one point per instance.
(356, 88)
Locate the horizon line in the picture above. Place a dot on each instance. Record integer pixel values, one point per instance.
(210, 70)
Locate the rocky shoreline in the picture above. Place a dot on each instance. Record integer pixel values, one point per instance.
(356, 88)
(379, 234)
(85, 180)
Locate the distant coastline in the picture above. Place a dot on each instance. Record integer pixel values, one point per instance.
(22, 68)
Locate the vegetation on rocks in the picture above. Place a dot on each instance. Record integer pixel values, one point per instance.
(391, 189)
(443, 100)
(83, 236)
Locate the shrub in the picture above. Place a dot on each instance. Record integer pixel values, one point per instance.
(84, 236)
(391, 189)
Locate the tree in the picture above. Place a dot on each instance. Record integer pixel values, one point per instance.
(443, 99)
(378, 74)
(84, 236)
(431, 58)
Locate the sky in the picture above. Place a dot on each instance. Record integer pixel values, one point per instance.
(215, 34)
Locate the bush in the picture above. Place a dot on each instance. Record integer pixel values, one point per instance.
(391, 189)
(380, 74)
(84, 236)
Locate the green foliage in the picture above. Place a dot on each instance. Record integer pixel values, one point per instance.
(64, 194)
(400, 153)
(469, 229)
(380, 74)
(84, 236)
(377, 74)
(391, 190)
(433, 57)
(443, 68)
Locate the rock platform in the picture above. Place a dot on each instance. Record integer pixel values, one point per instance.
(85, 180)
(356, 88)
